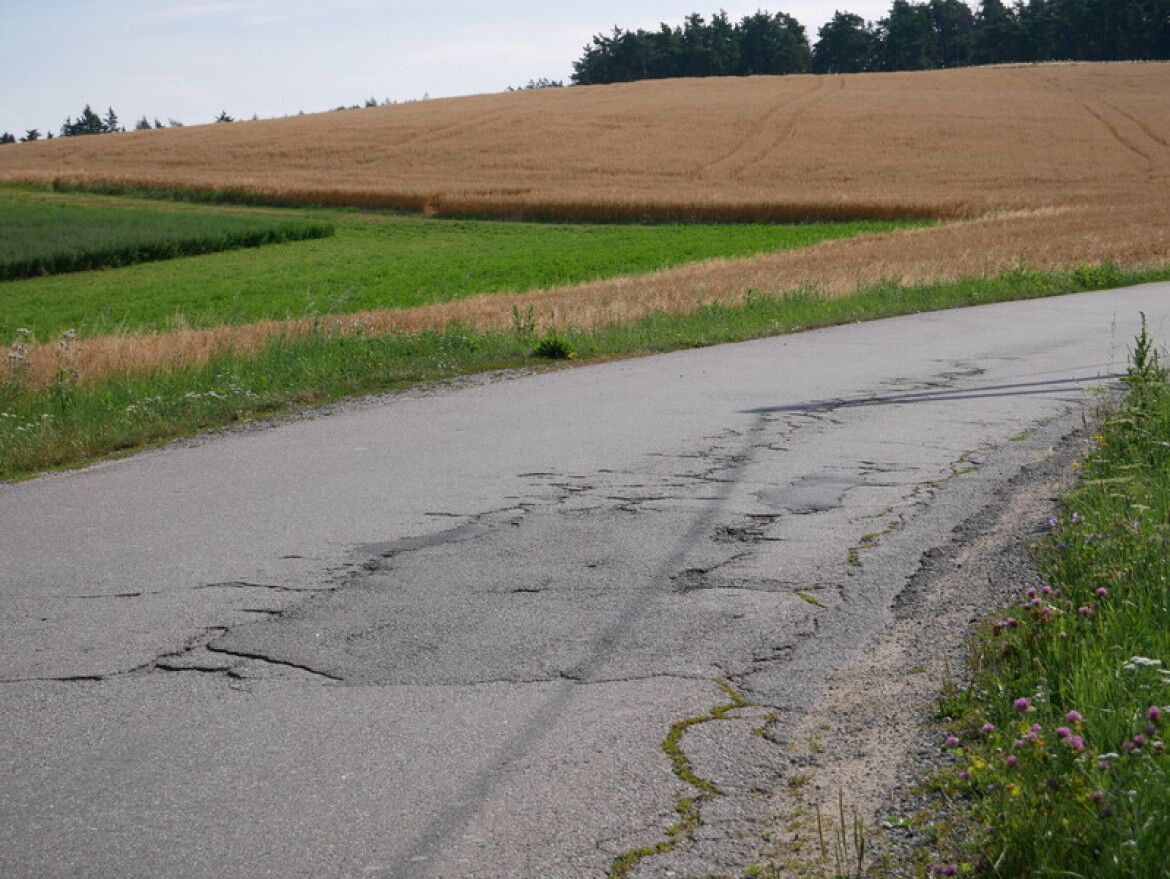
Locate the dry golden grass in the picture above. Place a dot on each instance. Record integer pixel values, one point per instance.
(1054, 164)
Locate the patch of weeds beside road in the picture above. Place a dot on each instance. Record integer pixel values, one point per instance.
(1058, 747)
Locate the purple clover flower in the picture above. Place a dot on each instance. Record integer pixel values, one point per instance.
(1022, 704)
(1154, 714)
(1074, 717)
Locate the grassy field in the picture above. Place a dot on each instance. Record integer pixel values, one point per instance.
(46, 235)
(372, 261)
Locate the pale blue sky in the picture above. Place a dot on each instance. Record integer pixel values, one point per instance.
(191, 59)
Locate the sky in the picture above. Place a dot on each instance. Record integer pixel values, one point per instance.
(190, 60)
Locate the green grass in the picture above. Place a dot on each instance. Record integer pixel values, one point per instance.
(373, 261)
(43, 234)
(64, 425)
(1062, 737)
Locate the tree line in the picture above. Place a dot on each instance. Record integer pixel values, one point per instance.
(913, 36)
(89, 122)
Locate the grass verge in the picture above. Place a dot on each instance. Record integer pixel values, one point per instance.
(1060, 740)
(66, 424)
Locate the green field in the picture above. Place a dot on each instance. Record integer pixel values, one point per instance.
(45, 234)
(372, 261)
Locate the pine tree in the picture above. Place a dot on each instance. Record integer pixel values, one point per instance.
(846, 44)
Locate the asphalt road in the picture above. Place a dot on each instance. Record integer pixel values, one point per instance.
(446, 634)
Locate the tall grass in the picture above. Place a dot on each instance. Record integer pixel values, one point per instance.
(1061, 746)
(65, 422)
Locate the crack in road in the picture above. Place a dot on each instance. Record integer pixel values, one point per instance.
(271, 661)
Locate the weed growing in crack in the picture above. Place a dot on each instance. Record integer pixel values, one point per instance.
(687, 808)
(800, 593)
(847, 840)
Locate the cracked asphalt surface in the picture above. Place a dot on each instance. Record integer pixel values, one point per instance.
(445, 634)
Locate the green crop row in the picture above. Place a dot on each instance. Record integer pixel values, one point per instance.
(41, 237)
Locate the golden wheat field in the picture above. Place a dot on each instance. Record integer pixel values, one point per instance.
(1050, 164)
(939, 143)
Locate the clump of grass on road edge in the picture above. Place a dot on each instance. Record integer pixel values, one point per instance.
(67, 424)
(1060, 742)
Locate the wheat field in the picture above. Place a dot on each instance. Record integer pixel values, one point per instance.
(1051, 165)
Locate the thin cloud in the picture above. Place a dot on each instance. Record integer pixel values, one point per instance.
(201, 11)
